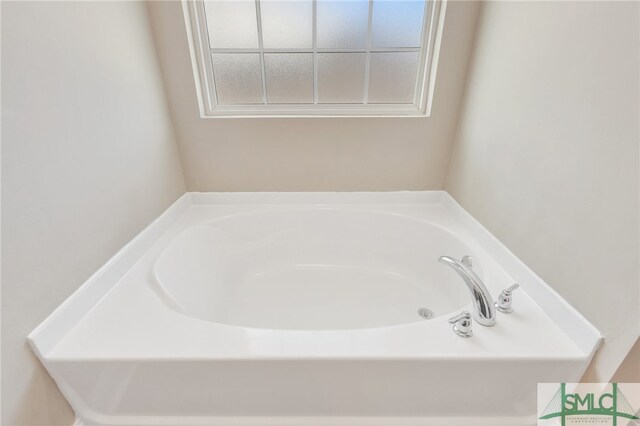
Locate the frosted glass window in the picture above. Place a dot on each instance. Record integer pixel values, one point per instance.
(392, 77)
(231, 23)
(397, 23)
(287, 24)
(341, 77)
(314, 57)
(289, 77)
(342, 23)
(238, 78)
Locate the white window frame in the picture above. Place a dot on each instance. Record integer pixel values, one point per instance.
(205, 88)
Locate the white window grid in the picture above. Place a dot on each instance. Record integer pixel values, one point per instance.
(201, 56)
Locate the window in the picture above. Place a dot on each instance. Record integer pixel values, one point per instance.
(314, 57)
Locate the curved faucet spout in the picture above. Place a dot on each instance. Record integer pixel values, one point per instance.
(483, 308)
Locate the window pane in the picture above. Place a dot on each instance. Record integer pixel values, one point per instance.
(341, 77)
(231, 23)
(342, 24)
(289, 77)
(392, 77)
(238, 78)
(397, 23)
(286, 24)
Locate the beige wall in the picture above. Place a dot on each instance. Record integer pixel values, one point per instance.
(629, 370)
(546, 154)
(88, 160)
(341, 154)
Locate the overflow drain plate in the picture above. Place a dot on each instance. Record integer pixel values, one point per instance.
(425, 313)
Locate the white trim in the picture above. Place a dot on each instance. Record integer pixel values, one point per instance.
(314, 45)
(367, 69)
(260, 51)
(195, 64)
(203, 71)
(318, 49)
(424, 53)
(431, 67)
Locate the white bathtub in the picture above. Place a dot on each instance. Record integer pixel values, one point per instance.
(302, 309)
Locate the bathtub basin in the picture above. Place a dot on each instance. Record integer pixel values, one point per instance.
(313, 268)
(308, 309)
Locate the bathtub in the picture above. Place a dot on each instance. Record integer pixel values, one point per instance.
(308, 309)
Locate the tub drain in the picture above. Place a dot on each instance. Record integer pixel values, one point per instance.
(425, 313)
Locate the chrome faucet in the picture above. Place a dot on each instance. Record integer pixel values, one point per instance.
(484, 311)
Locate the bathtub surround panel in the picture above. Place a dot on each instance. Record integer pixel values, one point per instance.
(311, 392)
(547, 156)
(312, 154)
(88, 160)
(212, 371)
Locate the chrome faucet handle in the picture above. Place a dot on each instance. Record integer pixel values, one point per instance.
(503, 304)
(462, 324)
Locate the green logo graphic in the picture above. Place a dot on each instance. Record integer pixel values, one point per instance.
(612, 404)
